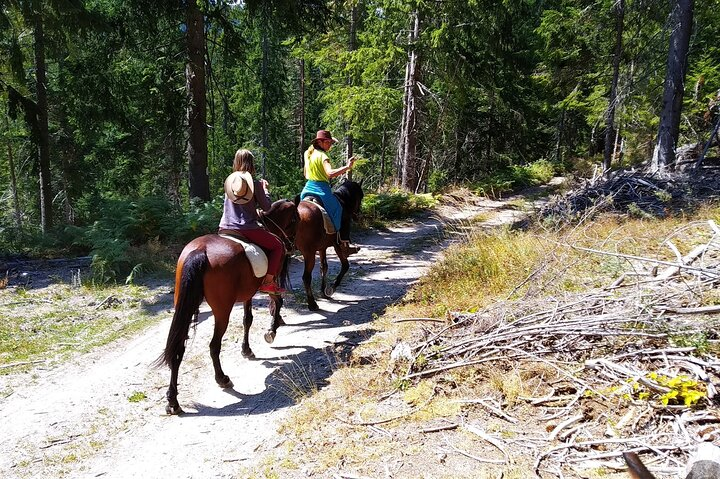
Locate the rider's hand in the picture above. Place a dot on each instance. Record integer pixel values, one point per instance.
(265, 185)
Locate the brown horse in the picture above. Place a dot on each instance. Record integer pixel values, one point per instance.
(218, 270)
(311, 238)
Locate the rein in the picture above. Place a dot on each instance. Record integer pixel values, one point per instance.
(289, 242)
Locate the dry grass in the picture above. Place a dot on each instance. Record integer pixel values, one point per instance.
(370, 424)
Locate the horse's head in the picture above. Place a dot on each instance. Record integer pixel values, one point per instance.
(282, 220)
(350, 195)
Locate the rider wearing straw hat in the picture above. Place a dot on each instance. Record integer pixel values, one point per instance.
(243, 195)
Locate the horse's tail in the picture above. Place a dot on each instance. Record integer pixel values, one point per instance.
(188, 296)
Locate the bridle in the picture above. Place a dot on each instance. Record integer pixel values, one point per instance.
(286, 239)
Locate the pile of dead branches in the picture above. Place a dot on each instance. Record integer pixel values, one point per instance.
(643, 347)
(632, 192)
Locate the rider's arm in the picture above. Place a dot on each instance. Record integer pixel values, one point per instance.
(262, 195)
(333, 172)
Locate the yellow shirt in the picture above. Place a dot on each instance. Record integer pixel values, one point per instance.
(314, 167)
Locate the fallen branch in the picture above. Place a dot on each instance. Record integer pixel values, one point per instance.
(709, 272)
(697, 310)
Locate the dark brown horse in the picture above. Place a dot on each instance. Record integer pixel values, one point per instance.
(218, 270)
(311, 238)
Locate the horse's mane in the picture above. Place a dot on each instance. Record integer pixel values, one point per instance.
(348, 192)
(274, 206)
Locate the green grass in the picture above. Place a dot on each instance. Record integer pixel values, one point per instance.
(55, 323)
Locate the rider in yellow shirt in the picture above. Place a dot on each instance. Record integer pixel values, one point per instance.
(318, 171)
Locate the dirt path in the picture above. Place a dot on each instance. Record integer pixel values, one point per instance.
(79, 421)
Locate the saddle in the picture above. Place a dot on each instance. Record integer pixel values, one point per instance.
(255, 254)
(327, 222)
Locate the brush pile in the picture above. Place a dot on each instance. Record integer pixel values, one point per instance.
(634, 365)
(634, 192)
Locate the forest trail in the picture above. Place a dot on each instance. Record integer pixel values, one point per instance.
(78, 420)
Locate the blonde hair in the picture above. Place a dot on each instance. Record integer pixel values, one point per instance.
(244, 161)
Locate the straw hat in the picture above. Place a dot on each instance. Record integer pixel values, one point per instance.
(239, 187)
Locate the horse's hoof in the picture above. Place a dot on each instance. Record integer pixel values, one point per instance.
(248, 354)
(313, 306)
(329, 291)
(225, 383)
(269, 337)
(173, 410)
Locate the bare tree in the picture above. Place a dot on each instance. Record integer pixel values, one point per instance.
(669, 129)
(407, 148)
(43, 133)
(612, 100)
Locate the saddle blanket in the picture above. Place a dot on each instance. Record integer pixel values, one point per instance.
(327, 222)
(255, 254)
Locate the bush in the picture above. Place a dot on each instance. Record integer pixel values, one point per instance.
(394, 205)
(514, 177)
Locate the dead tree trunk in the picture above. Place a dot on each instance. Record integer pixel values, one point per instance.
(13, 178)
(46, 217)
(407, 151)
(674, 88)
(612, 100)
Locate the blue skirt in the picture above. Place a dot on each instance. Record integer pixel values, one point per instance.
(322, 190)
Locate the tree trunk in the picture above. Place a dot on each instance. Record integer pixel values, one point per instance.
(197, 150)
(46, 218)
(264, 88)
(13, 177)
(560, 132)
(351, 47)
(407, 151)
(612, 100)
(382, 158)
(301, 113)
(674, 88)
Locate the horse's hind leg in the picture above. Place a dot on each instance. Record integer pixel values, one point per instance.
(247, 322)
(276, 302)
(222, 318)
(309, 260)
(344, 266)
(326, 292)
(173, 406)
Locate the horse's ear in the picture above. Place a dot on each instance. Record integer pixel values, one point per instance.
(361, 182)
(296, 200)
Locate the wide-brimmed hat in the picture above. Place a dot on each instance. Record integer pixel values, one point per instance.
(239, 187)
(324, 135)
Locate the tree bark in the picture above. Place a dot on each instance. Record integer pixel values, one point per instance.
(197, 150)
(612, 100)
(13, 177)
(46, 217)
(407, 152)
(301, 113)
(264, 88)
(674, 88)
(354, 12)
